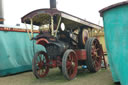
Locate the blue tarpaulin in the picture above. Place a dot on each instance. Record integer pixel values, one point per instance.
(16, 52)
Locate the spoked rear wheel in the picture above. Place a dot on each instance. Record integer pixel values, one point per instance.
(69, 64)
(94, 56)
(40, 63)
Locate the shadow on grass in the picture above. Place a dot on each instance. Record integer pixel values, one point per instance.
(55, 76)
(86, 73)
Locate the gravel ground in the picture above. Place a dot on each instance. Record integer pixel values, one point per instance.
(55, 77)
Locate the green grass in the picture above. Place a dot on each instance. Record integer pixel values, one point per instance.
(55, 77)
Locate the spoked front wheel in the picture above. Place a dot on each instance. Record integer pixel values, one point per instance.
(40, 65)
(69, 64)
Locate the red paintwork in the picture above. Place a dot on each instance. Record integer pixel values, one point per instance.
(71, 69)
(105, 64)
(42, 72)
(1, 20)
(17, 30)
(81, 54)
(42, 41)
(55, 63)
(96, 55)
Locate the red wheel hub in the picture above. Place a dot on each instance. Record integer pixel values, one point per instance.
(96, 55)
(71, 65)
(41, 64)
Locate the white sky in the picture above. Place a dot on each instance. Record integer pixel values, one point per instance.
(85, 9)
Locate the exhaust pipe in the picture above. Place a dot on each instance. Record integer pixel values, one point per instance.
(53, 4)
(1, 13)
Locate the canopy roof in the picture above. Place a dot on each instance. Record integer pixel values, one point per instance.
(44, 15)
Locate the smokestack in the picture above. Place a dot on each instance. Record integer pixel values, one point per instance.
(53, 4)
(1, 12)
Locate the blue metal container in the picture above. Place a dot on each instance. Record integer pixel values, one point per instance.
(115, 18)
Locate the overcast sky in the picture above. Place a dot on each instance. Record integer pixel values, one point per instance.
(85, 9)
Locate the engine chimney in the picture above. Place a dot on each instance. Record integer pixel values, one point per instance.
(53, 4)
(1, 13)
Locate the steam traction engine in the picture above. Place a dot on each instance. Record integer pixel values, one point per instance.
(67, 43)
